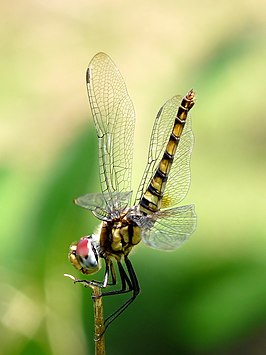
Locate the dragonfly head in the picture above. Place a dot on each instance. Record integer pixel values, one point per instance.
(84, 255)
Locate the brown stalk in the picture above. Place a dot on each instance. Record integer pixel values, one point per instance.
(98, 315)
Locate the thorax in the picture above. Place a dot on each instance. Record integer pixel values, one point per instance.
(117, 237)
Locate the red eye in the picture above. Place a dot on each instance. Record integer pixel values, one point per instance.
(82, 247)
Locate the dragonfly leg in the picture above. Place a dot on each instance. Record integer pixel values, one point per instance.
(101, 284)
(109, 270)
(126, 284)
(133, 286)
(113, 275)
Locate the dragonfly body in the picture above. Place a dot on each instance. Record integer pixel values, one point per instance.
(151, 200)
(154, 218)
(118, 237)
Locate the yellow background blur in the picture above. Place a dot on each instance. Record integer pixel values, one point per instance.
(209, 297)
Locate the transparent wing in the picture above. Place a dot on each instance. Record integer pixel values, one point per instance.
(97, 204)
(114, 119)
(168, 229)
(179, 178)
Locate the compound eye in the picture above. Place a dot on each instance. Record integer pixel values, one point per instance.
(83, 247)
(83, 255)
(86, 253)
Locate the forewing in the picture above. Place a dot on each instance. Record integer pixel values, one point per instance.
(114, 119)
(167, 230)
(98, 205)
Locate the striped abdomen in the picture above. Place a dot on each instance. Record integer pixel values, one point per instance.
(152, 198)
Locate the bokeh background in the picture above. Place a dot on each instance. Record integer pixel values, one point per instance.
(209, 297)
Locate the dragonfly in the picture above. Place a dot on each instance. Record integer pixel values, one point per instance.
(154, 217)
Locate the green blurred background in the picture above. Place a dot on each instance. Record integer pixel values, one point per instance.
(209, 297)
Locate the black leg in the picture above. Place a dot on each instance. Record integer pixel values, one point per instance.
(129, 283)
(133, 285)
(126, 284)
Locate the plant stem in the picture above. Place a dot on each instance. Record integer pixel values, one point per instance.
(98, 321)
(98, 315)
